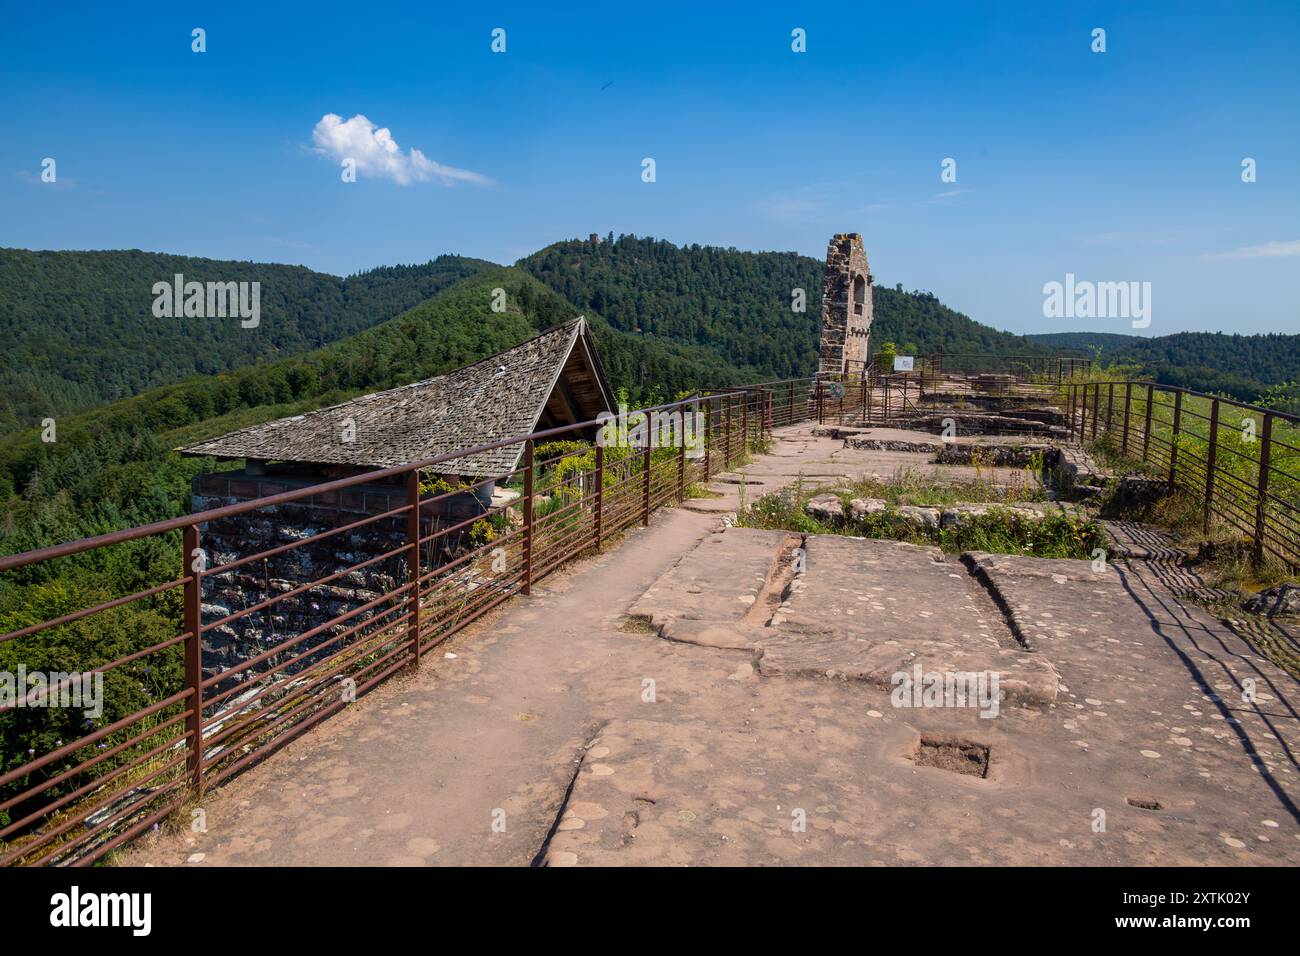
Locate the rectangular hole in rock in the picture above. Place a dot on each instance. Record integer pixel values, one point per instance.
(1144, 803)
(957, 756)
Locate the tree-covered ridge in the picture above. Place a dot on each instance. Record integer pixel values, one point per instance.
(113, 466)
(739, 304)
(79, 327)
(1243, 366)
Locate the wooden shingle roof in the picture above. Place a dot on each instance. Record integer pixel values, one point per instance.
(556, 375)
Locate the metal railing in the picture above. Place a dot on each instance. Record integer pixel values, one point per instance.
(861, 400)
(1041, 368)
(176, 723)
(866, 393)
(1241, 461)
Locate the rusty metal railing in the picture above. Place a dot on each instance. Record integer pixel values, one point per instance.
(1043, 368)
(177, 722)
(1241, 461)
(863, 400)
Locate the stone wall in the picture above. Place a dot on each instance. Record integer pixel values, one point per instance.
(229, 539)
(846, 306)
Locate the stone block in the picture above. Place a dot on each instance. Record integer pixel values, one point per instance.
(826, 508)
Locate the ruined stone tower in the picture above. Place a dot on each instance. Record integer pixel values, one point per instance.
(846, 306)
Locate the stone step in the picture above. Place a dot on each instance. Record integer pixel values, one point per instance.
(1142, 542)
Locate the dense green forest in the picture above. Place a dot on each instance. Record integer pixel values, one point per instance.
(113, 466)
(739, 303)
(679, 318)
(666, 318)
(80, 331)
(1243, 366)
(79, 328)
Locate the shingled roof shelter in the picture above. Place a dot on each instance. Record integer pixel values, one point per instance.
(552, 380)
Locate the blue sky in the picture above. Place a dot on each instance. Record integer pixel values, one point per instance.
(1115, 166)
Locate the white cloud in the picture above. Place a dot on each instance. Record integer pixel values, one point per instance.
(377, 154)
(950, 194)
(34, 179)
(1267, 250)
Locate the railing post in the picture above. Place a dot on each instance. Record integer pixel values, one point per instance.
(1261, 491)
(1081, 396)
(732, 444)
(413, 561)
(791, 421)
(708, 438)
(1173, 440)
(528, 516)
(1128, 399)
(600, 492)
(1096, 408)
(736, 423)
(1146, 426)
(744, 423)
(726, 455)
(1211, 457)
(1073, 395)
(681, 461)
(1110, 404)
(821, 392)
(645, 484)
(195, 563)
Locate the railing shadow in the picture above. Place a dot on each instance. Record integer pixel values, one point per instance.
(1167, 614)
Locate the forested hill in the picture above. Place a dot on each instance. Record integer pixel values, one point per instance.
(79, 327)
(113, 466)
(1243, 366)
(739, 303)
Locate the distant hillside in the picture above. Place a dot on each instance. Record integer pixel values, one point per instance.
(1089, 341)
(681, 318)
(1243, 366)
(113, 466)
(80, 331)
(738, 304)
(79, 328)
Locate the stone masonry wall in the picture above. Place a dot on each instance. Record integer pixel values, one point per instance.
(228, 539)
(846, 306)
